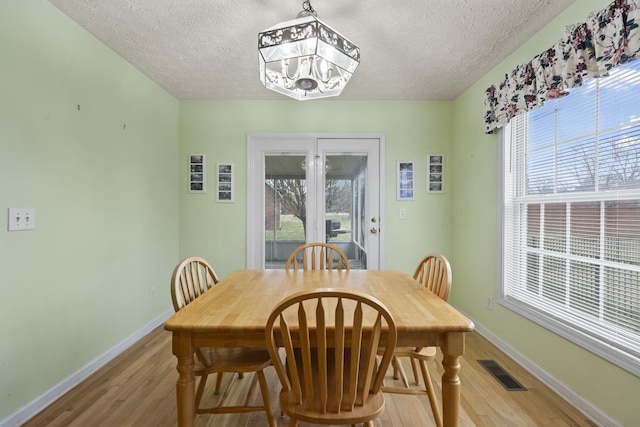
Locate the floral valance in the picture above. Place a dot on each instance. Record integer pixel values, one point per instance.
(589, 49)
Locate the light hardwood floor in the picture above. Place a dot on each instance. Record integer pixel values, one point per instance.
(138, 389)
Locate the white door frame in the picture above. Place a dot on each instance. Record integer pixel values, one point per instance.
(258, 144)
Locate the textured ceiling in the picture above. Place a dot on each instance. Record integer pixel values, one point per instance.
(410, 49)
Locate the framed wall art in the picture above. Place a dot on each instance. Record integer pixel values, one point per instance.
(405, 180)
(197, 173)
(435, 173)
(224, 182)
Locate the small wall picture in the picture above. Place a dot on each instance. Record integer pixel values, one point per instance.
(197, 173)
(435, 173)
(405, 189)
(224, 182)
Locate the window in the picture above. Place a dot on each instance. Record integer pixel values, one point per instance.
(571, 216)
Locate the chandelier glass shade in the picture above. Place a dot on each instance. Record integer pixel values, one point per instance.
(305, 58)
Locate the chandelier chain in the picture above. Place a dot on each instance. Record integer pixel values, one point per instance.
(306, 5)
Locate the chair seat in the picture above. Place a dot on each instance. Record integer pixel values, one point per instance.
(434, 272)
(361, 413)
(232, 359)
(191, 278)
(421, 353)
(330, 374)
(369, 411)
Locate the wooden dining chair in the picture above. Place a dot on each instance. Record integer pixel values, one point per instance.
(192, 278)
(434, 272)
(317, 256)
(330, 337)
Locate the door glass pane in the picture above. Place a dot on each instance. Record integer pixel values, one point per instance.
(285, 191)
(345, 181)
(288, 191)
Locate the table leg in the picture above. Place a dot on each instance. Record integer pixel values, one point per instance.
(185, 386)
(452, 349)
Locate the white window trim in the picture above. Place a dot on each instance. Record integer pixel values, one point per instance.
(612, 354)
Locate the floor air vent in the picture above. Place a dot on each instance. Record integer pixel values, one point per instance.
(501, 375)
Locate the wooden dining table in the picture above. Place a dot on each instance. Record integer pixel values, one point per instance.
(234, 313)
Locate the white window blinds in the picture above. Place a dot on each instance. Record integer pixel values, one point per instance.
(571, 216)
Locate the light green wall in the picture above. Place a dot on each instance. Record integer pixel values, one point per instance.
(219, 129)
(103, 179)
(109, 186)
(475, 207)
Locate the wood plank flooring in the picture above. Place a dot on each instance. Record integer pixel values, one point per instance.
(138, 389)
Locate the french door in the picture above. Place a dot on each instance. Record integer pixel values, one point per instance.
(314, 188)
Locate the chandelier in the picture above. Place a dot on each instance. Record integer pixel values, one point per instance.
(305, 58)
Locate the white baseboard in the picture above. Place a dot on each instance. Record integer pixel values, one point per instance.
(33, 408)
(577, 401)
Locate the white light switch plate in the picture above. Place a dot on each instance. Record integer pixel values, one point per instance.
(21, 219)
